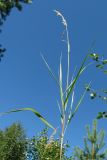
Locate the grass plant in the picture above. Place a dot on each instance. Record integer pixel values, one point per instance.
(67, 90)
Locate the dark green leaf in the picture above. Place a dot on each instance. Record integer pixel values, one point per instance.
(104, 61)
(93, 95)
(102, 115)
(100, 66)
(94, 56)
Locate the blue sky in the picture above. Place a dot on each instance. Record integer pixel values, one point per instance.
(25, 81)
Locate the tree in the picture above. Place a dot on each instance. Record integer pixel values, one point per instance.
(93, 145)
(43, 148)
(6, 7)
(13, 143)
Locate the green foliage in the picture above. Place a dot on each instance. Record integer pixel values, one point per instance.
(93, 145)
(12, 143)
(102, 115)
(94, 56)
(101, 63)
(43, 148)
(101, 93)
(7, 5)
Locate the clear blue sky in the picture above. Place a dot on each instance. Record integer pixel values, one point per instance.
(25, 81)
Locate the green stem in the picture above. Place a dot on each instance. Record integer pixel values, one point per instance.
(62, 136)
(93, 152)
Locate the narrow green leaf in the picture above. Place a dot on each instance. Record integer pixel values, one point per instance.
(59, 107)
(69, 117)
(77, 106)
(32, 110)
(82, 68)
(49, 69)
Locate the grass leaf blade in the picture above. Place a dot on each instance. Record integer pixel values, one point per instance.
(77, 106)
(60, 83)
(49, 69)
(32, 110)
(75, 80)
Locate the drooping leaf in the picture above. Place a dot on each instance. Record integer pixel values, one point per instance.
(34, 111)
